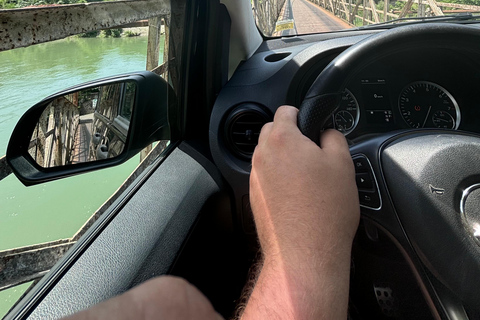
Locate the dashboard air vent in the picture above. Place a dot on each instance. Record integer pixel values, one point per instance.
(243, 127)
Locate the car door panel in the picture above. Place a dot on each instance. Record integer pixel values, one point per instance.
(142, 240)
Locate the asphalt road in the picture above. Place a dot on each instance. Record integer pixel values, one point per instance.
(310, 18)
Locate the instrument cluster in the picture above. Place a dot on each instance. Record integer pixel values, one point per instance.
(372, 105)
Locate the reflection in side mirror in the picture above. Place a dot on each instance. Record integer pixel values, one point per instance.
(86, 125)
(92, 126)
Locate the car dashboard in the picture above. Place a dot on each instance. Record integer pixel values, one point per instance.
(418, 87)
(406, 89)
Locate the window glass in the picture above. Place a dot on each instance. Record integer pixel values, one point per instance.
(58, 212)
(278, 18)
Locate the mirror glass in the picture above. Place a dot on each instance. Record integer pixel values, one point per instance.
(86, 125)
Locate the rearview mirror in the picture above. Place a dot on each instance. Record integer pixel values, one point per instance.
(88, 127)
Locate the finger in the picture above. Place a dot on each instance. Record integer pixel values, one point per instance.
(333, 140)
(286, 117)
(265, 132)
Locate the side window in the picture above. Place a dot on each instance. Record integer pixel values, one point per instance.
(40, 223)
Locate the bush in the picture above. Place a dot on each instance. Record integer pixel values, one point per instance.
(90, 34)
(129, 33)
(106, 33)
(115, 33)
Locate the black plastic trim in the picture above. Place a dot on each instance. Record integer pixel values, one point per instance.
(203, 161)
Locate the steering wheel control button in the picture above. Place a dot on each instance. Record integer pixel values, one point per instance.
(470, 209)
(364, 181)
(361, 164)
(369, 199)
(368, 192)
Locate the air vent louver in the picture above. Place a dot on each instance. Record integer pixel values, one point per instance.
(243, 127)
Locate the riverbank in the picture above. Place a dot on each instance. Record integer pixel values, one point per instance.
(141, 31)
(138, 31)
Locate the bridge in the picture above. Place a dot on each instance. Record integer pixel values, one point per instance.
(291, 17)
(29, 26)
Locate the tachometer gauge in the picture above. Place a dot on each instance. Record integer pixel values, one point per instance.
(427, 105)
(347, 115)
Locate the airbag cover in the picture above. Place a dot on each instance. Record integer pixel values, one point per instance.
(426, 174)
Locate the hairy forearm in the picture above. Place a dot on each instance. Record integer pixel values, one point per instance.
(253, 275)
(315, 287)
(305, 206)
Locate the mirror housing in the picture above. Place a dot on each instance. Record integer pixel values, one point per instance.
(148, 123)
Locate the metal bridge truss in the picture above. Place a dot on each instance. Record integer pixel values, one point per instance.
(363, 12)
(29, 26)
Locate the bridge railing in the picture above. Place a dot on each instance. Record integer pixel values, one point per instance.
(266, 14)
(52, 141)
(28, 26)
(364, 12)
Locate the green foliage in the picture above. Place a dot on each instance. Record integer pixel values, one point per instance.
(469, 2)
(14, 4)
(129, 34)
(91, 34)
(106, 33)
(397, 5)
(114, 33)
(70, 1)
(380, 5)
(5, 4)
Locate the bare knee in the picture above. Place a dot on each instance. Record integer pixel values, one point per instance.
(160, 298)
(173, 298)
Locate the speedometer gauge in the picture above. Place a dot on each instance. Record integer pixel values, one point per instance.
(427, 105)
(347, 115)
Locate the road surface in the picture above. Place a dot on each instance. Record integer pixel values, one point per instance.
(310, 18)
(83, 138)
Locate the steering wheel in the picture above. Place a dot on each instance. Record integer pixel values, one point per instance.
(427, 181)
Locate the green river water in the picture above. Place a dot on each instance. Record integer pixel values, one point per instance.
(57, 209)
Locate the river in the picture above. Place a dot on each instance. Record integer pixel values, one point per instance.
(57, 209)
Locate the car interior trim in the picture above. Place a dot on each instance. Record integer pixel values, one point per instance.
(244, 35)
(41, 289)
(167, 203)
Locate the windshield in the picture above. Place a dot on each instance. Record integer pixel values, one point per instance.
(277, 18)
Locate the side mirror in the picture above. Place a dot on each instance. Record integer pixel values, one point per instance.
(92, 126)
